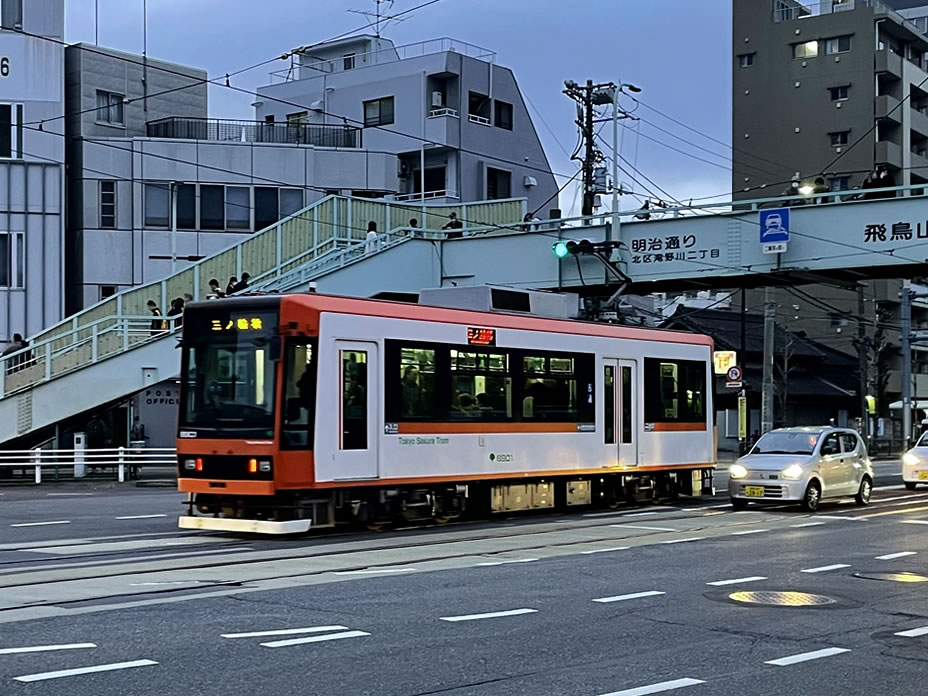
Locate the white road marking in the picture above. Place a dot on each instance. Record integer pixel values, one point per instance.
(314, 639)
(750, 531)
(84, 670)
(639, 514)
(613, 513)
(657, 688)
(842, 517)
(46, 648)
(285, 632)
(622, 598)
(825, 569)
(893, 556)
(888, 488)
(487, 564)
(40, 524)
(641, 526)
(898, 497)
(806, 657)
(914, 521)
(62, 495)
(736, 581)
(681, 541)
(807, 524)
(375, 571)
(718, 507)
(614, 548)
(914, 632)
(174, 582)
(491, 615)
(139, 517)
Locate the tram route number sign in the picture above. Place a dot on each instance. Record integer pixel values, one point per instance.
(734, 376)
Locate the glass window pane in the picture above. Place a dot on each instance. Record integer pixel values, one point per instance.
(266, 211)
(675, 391)
(609, 405)
(238, 207)
(628, 405)
(417, 383)
(5, 260)
(6, 130)
(300, 395)
(533, 365)
(157, 205)
(186, 206)
(212, 206)
(386, 111)
(371, 113)
(291, 201)
(354, 399)
(481, 397)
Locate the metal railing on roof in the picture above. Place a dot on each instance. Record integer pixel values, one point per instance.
(787, 10)
(229, 130)
(305, 66)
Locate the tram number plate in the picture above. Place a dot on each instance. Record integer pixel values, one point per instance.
(923, 475)
(754, 491)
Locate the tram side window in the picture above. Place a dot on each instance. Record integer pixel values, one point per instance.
(481, 388)
(675, 391)
(354, 399)
(417, 383)
(299, 395)
(557, 388)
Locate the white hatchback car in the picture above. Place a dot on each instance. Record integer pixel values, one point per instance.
(802, 465)
(915, 464)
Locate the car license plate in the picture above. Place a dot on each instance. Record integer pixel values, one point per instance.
(923, 475)
(754, 491)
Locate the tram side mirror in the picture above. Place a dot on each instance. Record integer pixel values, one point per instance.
(276, 348)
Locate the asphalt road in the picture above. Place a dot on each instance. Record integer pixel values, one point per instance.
(631, 602)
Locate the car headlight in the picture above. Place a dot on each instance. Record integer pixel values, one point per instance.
(737, 471)
(910, 459)
(792, 472)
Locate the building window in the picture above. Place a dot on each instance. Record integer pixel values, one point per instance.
(378, 112)
(298, 118)
(107, 291)
(839, 93)
(809, 49)
(238, 208)
(291, 201)
(840, 183)
(746, 60)
(478, 108)
(348, 61)
(839, 44)
(212, 207)
(838, 320)
(266, 207)
(186, 202)
(11, 130)
(503, 115)
(838, 138)
(157, 205)
(108, 205)
(674, 391)
(109, 108)
(11, 14)
(12, 260)
(499, 184)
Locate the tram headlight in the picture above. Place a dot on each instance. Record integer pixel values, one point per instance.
(264, 465)
(737, 471)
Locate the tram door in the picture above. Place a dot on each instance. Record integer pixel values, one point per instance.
(620, 412)
(358, 415)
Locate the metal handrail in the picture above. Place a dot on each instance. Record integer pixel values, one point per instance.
(123, 459)
(229, 130)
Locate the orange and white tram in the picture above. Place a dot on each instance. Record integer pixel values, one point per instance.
(310, 410)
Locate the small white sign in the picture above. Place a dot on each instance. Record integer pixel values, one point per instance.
(775, 248)
(734, 385)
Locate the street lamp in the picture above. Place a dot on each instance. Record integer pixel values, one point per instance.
(616, 91)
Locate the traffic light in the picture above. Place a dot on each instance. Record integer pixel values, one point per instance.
(571, 248)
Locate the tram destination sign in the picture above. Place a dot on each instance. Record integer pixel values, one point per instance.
(481, 337)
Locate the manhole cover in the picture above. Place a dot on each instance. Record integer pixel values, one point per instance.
(782, 599)
(892, 577)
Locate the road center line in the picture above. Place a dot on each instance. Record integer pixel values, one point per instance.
(806, 657)
(750, 531)
(314, 639)
(641, 526)
(914, 521)
(139, 517)
(491, 615)
(640, 514)
(825, 569)
(40, 524)
(893, 556)
(614, 548)
(375, 571)
(622, 598)
(807, 524)
(84, 670)
(46, 648)
(842, 517)
(285, 632)
(657, 688)
(487, 564)
(736, 581)
(681, 541)
(914, 632)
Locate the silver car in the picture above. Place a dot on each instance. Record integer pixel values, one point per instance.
(802, 465)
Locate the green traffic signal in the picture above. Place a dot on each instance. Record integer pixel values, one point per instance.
(561, 250)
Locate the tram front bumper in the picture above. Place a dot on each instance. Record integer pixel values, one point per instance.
(226, 524)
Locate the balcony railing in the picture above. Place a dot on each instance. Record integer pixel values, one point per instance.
(224, 130)
(787, 10)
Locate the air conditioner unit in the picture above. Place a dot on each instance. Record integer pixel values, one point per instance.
(437, 99)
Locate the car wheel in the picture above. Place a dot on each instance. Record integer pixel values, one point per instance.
(910, 485)
(865, 491)
(812, 497)
(739, 504)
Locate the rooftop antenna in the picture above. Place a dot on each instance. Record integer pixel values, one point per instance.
(377, 19)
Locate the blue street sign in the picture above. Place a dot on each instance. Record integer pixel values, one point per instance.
(774, 225)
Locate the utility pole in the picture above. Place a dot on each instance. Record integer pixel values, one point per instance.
(906, 363)
(862, 345)
(770, 315)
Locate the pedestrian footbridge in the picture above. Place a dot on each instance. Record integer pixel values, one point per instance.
(108, 352)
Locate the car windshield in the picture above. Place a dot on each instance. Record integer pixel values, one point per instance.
(786, 443)
(923, 441)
